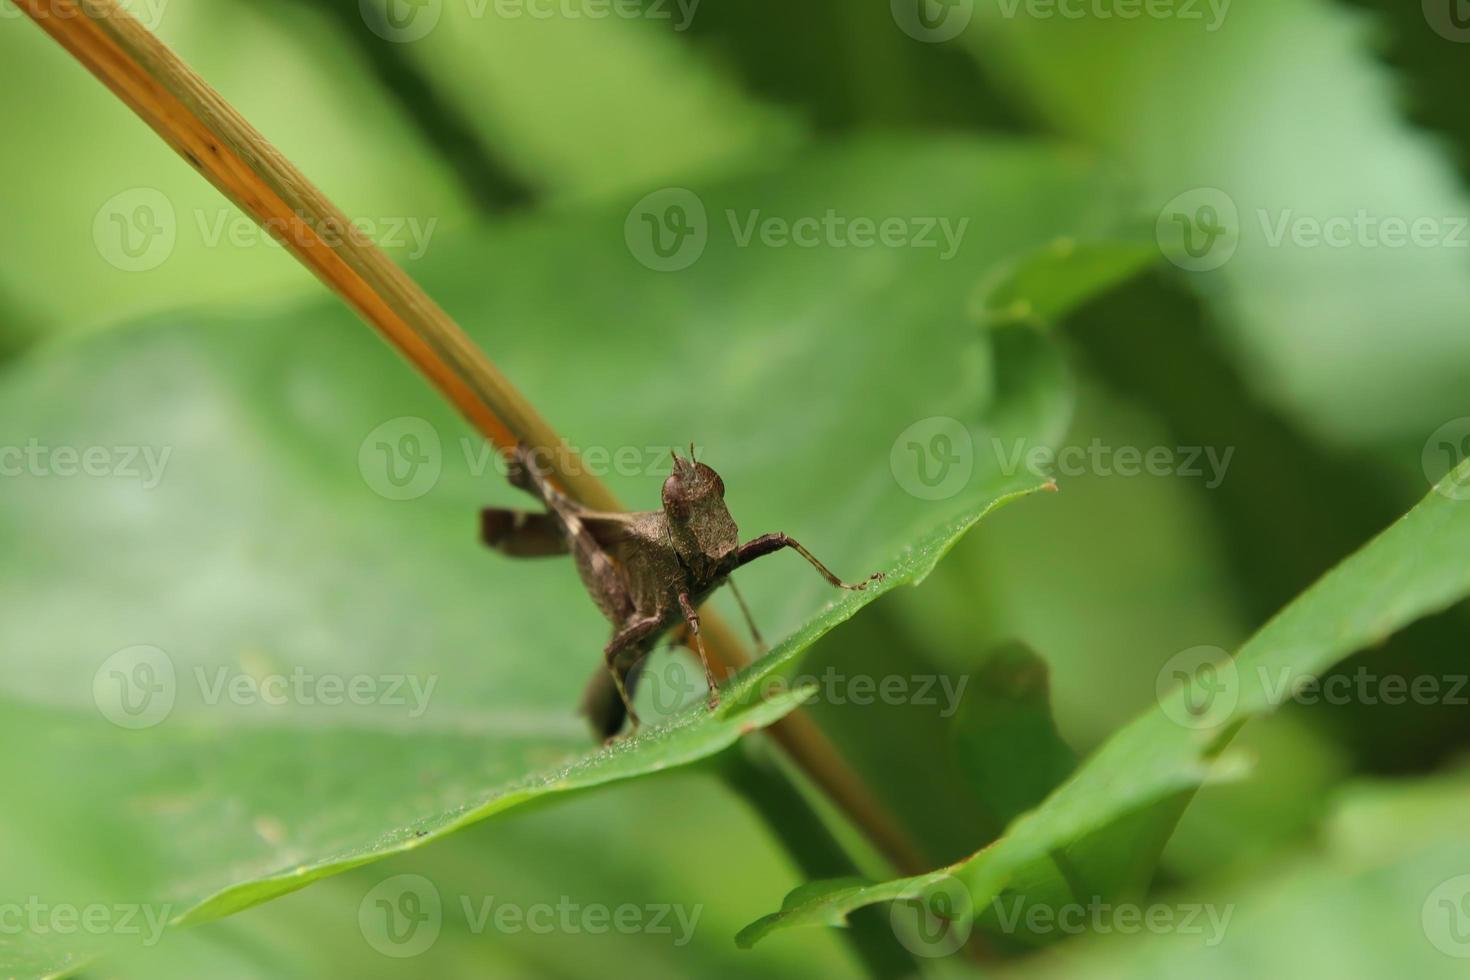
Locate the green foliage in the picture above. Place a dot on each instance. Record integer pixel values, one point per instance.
(1412, 569)
(1008, 740)
(284, 510)
(1399, 893)
(272, 513)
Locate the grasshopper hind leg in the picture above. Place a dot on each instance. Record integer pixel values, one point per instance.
(624, 656)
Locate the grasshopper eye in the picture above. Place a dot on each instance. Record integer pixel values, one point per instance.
(673, 496)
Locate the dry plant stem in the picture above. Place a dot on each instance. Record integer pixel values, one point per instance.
(193, 119)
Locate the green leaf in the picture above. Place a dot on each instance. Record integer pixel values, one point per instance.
(1400, 900)
(658, 109)
(1374, 820)
(258, 540)
(600, 851)
(1423, 64)
(1232, 829)
(875, 726)
(1007, 739)
(1414, 568)
(1304, 262)
(1042, 288)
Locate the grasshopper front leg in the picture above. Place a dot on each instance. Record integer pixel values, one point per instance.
(691, 616)
(769, 543)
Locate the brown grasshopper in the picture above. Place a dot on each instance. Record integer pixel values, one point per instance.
(647, 571)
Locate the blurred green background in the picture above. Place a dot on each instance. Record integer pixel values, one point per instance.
(1330, 371)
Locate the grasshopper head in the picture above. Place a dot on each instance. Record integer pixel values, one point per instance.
(703, 532)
